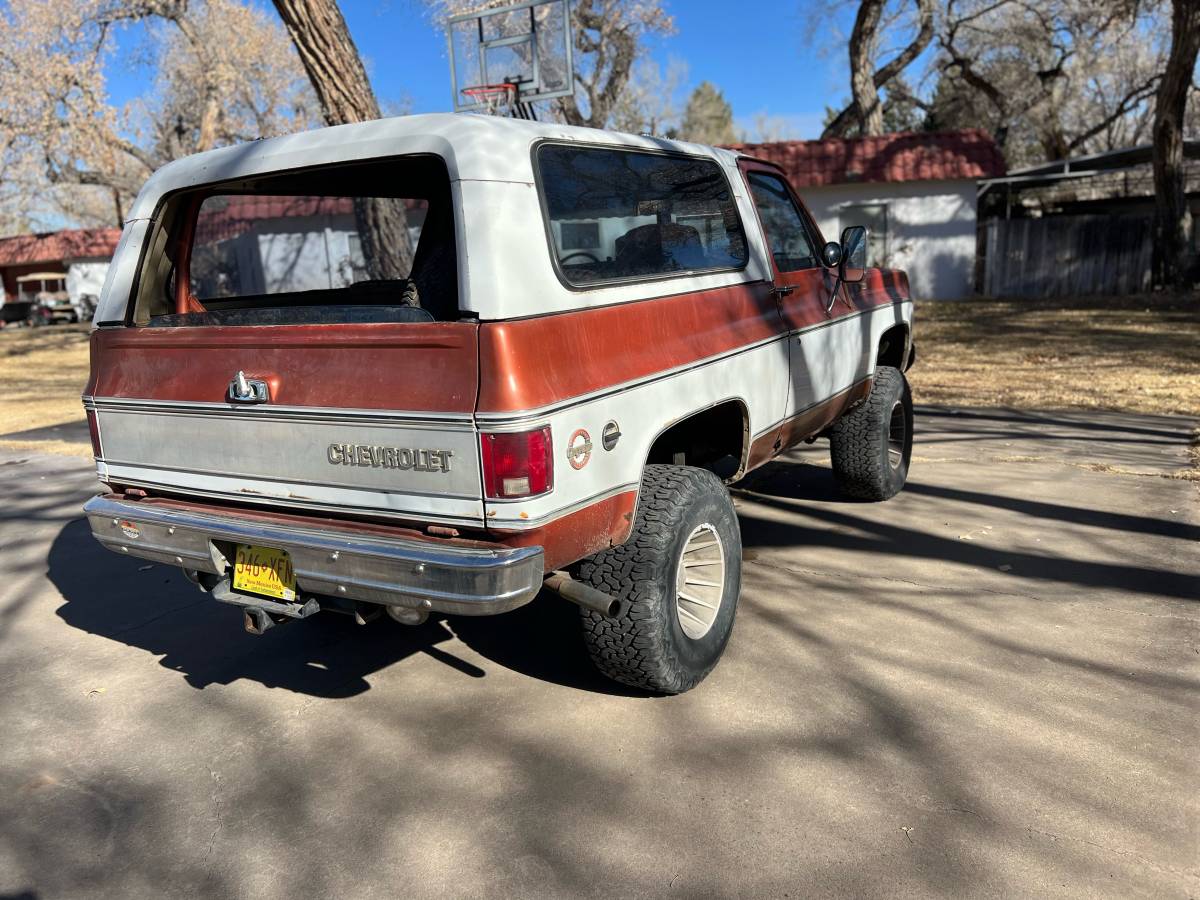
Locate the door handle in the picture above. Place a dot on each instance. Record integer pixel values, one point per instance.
(782, 290)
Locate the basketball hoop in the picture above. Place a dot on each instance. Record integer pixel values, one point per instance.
(492, 99)
(508, 55)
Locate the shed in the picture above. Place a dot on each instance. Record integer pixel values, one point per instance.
(1078, 226)
(82, 253)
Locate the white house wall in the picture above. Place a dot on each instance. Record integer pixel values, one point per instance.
(931, 229)
(85, 277)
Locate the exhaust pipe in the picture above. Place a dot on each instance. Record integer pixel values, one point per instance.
(406, 616)
(585, 595)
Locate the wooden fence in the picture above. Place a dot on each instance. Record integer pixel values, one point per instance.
(1055, 256)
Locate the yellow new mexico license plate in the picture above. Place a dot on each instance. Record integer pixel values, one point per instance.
(264, 570)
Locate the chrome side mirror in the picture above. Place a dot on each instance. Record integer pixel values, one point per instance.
(831, 254)
(853, 264)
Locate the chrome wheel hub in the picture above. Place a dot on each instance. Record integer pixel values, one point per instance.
(700, 582)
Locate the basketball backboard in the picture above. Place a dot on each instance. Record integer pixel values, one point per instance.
(525, 44)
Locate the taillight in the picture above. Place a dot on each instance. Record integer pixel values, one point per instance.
(94, 431)
(517, 463)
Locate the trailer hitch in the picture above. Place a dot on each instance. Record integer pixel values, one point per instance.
(260, 613)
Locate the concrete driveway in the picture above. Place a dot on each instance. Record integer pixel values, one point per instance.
(985, 687)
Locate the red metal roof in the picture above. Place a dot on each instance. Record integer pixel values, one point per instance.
(226, 216)
(904, 156)
(55, 246)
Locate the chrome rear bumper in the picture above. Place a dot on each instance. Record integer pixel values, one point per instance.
(390, 571)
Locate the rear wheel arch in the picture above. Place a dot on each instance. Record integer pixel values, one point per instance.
(716, 438)
(729, 419)
(892, 348)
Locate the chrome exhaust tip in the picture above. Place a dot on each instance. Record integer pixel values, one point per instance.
(585, 595)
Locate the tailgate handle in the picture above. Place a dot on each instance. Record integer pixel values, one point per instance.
(248, 390)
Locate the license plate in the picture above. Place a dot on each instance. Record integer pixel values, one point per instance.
(264, 570)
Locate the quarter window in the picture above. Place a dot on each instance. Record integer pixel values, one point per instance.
(620, 214)
(782, 223)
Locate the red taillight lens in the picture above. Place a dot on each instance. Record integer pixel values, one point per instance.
(94, 431)
(517, 463)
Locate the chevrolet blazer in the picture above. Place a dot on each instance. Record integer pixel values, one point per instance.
(437, 364)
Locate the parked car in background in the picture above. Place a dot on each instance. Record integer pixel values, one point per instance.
(13, 310)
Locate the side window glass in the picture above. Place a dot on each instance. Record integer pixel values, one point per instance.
(618, 214)
(786, 235)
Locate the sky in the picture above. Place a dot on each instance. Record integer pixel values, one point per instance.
(758, 52)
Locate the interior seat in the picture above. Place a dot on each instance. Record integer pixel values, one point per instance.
(660, 246)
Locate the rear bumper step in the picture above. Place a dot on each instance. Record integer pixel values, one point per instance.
(389, 571)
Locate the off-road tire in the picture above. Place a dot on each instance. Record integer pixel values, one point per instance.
(647, 647)
(859, 441)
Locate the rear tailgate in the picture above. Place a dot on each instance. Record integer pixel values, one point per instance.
(361, 418)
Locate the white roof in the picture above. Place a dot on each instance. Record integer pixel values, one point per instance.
(505, 266)
(475, 148)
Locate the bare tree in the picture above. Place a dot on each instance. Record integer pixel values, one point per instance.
(608, 40)
(339, 78)
(767, 129)
(1050, 78)
(864, 114)
(223, 72)
(1172, 218)
(649, 104)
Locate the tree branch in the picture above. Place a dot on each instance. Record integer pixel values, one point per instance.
(852, 114)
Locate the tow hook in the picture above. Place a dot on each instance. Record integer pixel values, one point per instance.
(585, 595)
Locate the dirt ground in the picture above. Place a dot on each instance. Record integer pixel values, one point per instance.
(1135, 355)
(985, 687)
(43, 371)
(1128, 354)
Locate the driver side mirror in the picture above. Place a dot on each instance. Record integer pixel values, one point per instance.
(853, 261)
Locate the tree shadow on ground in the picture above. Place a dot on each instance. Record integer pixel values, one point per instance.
(791, 488)
(1171, 430)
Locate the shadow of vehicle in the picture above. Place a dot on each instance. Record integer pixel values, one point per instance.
(158, 610)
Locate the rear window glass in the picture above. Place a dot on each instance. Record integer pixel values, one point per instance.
(325, 245)
(620, 214)
(252, 244)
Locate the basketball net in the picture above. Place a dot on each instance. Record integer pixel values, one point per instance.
(493, 99)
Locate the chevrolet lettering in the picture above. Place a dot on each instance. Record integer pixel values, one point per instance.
(410, 433)
(389, 457)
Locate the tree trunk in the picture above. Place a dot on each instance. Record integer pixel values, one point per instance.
(340, 81)
(861, 47)
(614, 48)
(1172, 220)
(862, 74)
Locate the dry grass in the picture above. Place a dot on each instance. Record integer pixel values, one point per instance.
(60, 448)
(43, 371)
(1119, 354)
